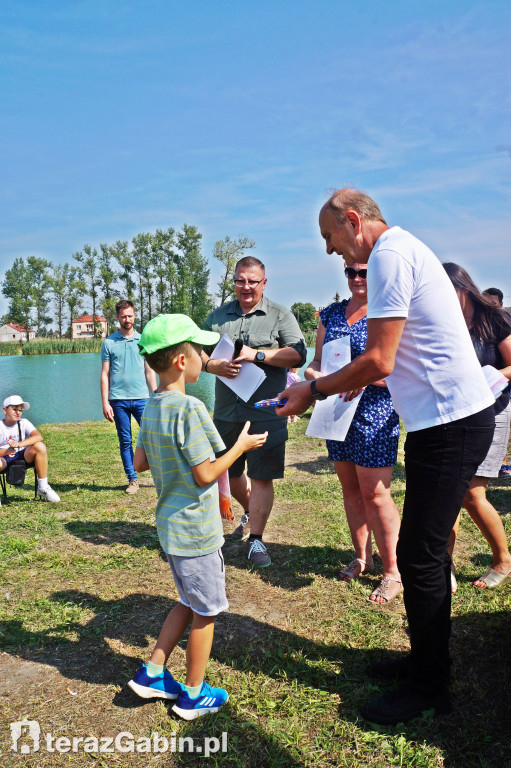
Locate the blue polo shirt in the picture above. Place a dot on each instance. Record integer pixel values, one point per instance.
(127, 377)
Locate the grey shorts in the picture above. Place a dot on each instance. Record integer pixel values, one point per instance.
(491, 465)
(265, 463)
(200, 582)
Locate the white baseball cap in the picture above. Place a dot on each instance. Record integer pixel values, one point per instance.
(16, 400)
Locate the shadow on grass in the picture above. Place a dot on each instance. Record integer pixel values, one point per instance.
(293, 567)
(92, 487)
(137, 535)
(473, 735)
(321, 465)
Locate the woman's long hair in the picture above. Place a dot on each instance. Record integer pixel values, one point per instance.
(487, 316)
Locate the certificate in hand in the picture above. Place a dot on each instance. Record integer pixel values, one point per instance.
(248, 379)
(331, 418)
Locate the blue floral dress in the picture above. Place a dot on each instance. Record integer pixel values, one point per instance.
(373, 436)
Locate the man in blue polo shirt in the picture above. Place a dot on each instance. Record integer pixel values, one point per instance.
(125, 380)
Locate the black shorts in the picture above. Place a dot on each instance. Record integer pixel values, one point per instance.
(265, 463)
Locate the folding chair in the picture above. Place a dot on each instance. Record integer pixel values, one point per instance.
(3, 482)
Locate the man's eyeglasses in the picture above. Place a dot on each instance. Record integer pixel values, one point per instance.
(250, 283)
(351, 273)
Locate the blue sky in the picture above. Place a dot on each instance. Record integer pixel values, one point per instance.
(240, 117)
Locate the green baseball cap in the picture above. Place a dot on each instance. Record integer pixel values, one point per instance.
(167, 330)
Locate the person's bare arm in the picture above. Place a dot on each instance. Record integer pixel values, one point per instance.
(377, 362)
(505, 351)
(313, 370)
(209, 471)
(105, 385)
(31, 439)
(284, 357)
(220, 367)
(140, 463)
(150, 377)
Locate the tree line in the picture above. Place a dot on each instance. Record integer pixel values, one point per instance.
(163, 271)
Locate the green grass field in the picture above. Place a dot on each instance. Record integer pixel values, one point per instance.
(84, 590)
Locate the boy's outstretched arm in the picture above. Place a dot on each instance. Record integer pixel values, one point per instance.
(140, 460)
(209, 471)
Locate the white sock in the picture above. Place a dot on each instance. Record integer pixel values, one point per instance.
(42, 483)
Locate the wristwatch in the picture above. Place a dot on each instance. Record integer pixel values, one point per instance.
(260, 356)
(316, 394)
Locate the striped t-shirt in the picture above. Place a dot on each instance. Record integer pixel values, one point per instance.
(177, 433)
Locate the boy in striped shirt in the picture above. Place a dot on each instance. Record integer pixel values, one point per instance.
(177, 442)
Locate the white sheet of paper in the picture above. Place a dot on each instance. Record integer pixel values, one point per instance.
(248, 379)
(496, 380)
(331, 418)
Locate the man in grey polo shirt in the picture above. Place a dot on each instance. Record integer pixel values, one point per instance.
(271, 339)
(125, 380)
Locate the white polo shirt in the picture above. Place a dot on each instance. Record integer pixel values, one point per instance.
(437, 377)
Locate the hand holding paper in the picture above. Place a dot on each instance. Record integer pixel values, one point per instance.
(248, 379)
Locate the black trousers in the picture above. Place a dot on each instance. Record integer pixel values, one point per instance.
(440, 463)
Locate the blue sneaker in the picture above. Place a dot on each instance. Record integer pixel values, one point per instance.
(208, 701)
(162, 686)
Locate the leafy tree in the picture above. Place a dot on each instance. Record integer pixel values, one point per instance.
(74, 292)
(163, 259)
(122, 254)
(228, 252)
(192, 296)
(142, 263)
(107, 277)
(58, 282)
(89, 271)
(41, 285)
(337, 296)
(305, 315)
(17, 287)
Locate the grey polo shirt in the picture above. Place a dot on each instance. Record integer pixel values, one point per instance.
(268, 326)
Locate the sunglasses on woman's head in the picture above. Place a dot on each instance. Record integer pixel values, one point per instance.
(351, 273)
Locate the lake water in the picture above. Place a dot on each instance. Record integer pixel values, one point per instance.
(63, 388)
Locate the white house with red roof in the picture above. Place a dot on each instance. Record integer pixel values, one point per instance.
(15, 332)
(83, 327)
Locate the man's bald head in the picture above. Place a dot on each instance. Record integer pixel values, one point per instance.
(343, 200)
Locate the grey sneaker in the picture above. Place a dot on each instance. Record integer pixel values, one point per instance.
(239, 533)
(257, 554)
(133, 486)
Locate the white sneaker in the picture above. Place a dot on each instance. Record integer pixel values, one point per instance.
(48, 494)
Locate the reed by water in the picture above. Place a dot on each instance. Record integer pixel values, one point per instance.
(52, 346)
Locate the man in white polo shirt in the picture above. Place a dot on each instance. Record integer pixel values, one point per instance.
(418, 340)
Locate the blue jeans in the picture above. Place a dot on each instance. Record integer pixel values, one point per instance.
(123, 411)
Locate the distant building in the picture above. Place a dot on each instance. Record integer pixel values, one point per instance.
(83, 327)
(15, 332)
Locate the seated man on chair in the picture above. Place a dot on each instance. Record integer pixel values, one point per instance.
(19, 439)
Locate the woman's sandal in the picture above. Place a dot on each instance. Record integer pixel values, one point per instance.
(384, 590)
(454, 583)
(492, 579)
(354, 569)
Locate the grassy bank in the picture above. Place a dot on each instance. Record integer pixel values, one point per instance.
(84, 591)
(310, 338)
(10, 348)
(61, 346)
